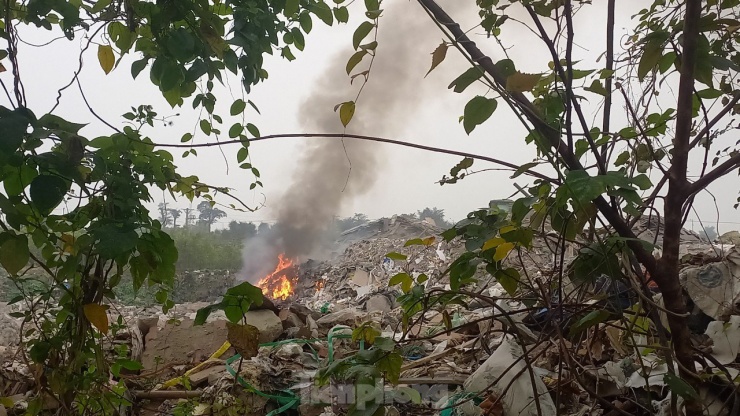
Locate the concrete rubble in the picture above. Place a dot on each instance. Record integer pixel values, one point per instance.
(466, 360)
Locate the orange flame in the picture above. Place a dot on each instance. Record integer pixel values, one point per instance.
(278, 284)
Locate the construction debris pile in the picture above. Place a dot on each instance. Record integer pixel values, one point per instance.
(478, 357)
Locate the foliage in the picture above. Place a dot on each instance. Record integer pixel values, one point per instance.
(104, 229)
(208, 214)
(436, 214)
(344, 224)
(203, 250)
(238, 231)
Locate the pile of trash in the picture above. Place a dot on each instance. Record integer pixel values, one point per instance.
(491, 355)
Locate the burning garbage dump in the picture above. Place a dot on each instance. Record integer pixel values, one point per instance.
(466, 355)
(280, 284)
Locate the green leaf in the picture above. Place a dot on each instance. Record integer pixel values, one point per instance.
(291, 7)
(477, 110)
(51, 121)
(390, 365)
(597, 88)
(13, 126)
(642, 181)
(506, 67)
(342, 14)
(205, 127)
(591, 319)
(361, 33)
(138, 66)
(237, 107)
(509, 280)
(17, 179)
(47, 191)
(106, 58)
(402, 279)
(520, 82)
(622, 159)
(709, 93)
(202, 315)
(468, 77)
(372, 5)
(369, 46)
(355, 59)
(396, 256)
(438, 56)
(384, 343)
(346, 111)
(241, 155)
(186, 137)
(322, 11)
(523, 168)
(235, 130)
(253, 130)
(247, 291)
(306, 22)
(650, 58)
(40, 352)
(112, 241)
(407, 394)
(14, 253)
(679, 386)
(130, 364)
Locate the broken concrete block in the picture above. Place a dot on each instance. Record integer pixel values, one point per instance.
(361, 277)
(378, 303)
(363, 290)
(303, 311)
(290, 319)
(514, 382)
(350, 317)
(182, 343)
(145, 324)
(212, 373)
(269, 324)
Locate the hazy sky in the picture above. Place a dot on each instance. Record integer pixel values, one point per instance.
(405, 177)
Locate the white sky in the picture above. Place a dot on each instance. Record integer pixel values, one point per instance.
(406, 181)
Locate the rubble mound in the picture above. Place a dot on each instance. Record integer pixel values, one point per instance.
(9, 326)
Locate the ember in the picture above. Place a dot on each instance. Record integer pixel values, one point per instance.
(280, 284)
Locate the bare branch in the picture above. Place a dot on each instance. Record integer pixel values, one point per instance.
(368, 138)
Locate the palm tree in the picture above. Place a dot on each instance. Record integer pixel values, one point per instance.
(209, 214)
(164, 214)
(175, 214)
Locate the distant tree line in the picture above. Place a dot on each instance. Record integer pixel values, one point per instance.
(434, 213)
(201, 247)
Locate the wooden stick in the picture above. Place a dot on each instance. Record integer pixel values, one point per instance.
(459, 379)
(167, 394)
(422, 361)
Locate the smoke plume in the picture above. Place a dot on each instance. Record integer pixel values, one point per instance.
(330, 172)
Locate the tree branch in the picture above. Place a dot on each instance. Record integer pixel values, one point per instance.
(511, 166)
(721, 170)
(715, 120)
(550, 134)
(570, 98)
